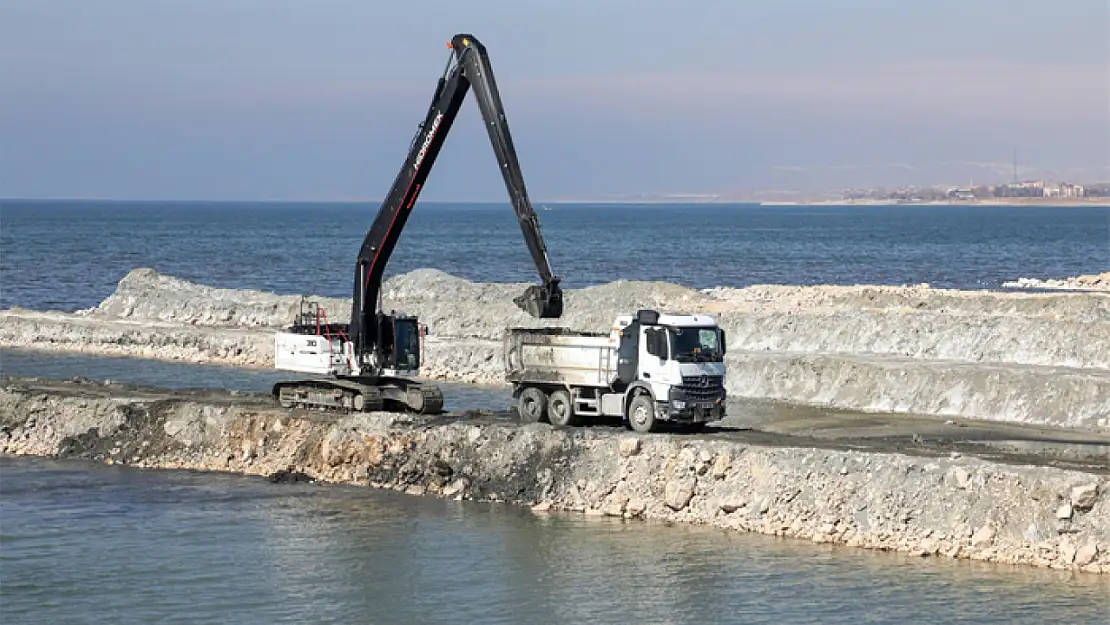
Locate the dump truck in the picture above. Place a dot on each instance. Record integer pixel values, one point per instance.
(651, 369)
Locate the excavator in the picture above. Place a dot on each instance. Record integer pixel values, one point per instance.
(369, 363)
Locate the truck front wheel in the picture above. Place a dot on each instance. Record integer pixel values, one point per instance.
(532, 405)
(641, 413)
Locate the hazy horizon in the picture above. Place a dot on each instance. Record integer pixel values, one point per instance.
(252, 100)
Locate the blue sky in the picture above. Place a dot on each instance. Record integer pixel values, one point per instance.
(275, 99)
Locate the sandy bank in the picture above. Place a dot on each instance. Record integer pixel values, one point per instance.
(959, 507)
(1024, 357)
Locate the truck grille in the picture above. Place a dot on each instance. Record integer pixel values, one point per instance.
(702, 388)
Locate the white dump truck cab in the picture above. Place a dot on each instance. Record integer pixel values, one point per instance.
(676, 361)
(650, 368)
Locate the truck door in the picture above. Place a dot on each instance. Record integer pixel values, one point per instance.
(628, 353)
(653, 353)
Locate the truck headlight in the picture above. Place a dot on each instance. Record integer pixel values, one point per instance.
(679, 403)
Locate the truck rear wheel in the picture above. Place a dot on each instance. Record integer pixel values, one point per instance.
(532, 405)
(641, 413)
(560, 410)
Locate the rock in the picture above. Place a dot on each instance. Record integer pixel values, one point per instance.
(635, 507)
(455, 487)
(963, 479)
(1064, 512)
(613, 508)
(628, 447)
(982, 536)
(1086, 554)
(1084, 497)
(289, 476)
(930, 545)
(543, 506)
(728, 506)
(172, 427)
(1067, 552)
(721, 466)
(678, 492)
(1032, 533)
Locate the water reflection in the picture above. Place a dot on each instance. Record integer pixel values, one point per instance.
(85, 542)
(175, 375)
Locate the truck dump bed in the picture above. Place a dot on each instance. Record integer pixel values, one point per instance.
(559, 356)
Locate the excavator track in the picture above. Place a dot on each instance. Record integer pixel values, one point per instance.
(424, 399)
(350, 396)
(333, 395)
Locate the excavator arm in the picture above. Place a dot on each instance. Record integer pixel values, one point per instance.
(469, 67)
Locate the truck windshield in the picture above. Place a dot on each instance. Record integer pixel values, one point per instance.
(695, 344)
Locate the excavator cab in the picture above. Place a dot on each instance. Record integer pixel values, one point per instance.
(399, 339)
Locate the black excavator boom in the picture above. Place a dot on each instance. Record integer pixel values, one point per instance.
(467, 69)
(371, 361)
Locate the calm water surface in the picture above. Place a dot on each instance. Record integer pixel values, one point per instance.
(69, 255)
(174, 375)
(97, 544)
(88, 543)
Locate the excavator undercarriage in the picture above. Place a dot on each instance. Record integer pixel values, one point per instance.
(361, 395)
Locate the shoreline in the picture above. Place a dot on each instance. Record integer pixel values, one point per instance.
(1046, 202)
(954, 506)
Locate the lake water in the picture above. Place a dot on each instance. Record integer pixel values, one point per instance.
(82, 542)
(88, 543)
(70, 255)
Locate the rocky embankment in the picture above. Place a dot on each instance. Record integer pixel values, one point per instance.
(1024, 357)
(959, 507)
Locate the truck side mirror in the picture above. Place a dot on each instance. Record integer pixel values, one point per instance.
(722, 341)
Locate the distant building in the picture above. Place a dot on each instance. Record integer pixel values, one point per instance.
(961, 193)
(1071, 190)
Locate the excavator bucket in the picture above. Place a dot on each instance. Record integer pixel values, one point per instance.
(544, 301)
